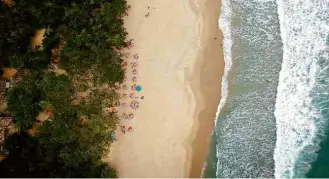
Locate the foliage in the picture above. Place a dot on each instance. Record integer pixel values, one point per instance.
(55, 91)
(14, 33)
(22, 157)
(87, 34)
(88, 47)
(23, 102)
(35, 61)
(26, 158)
(64, 141)
(93, 105)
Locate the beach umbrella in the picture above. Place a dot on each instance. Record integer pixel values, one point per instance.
(138, 88)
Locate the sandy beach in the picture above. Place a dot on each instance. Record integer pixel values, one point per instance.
(179, 64)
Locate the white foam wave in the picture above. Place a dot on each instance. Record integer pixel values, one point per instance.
(303, 33)
(225, 26)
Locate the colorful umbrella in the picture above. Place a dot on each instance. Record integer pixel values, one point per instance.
(138, 88)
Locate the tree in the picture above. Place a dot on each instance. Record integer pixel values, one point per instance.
(25, 159)
(65, 143)
(87, 34)
(56, 91)
(21, 160)
(23, 102)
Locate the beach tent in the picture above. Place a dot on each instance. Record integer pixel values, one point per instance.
(138, 88)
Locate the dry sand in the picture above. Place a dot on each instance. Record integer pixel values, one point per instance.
(177, 52)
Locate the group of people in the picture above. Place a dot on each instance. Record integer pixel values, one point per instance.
(124, 129)
(127, 90)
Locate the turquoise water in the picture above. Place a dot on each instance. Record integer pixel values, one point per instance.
(273, 117)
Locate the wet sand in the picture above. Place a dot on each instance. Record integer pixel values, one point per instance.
(206, 81)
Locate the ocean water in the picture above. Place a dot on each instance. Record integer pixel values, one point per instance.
(272, 118)
(302, 106)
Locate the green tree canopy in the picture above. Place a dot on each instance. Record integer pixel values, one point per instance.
(86, 35)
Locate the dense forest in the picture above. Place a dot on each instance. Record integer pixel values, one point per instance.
(82, 38)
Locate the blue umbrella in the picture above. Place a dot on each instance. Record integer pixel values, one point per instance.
(138, 88)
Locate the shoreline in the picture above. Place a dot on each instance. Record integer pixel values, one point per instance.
(206, 84)
(178, 71)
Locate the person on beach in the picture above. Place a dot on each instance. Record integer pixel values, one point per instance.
(133, 87)
(117, 86)
(124, 105)
(124, 96)
(112, 110)
(130, 129)
(134, 104)
(134, 72)
(123, 129)
(127, 55)
(125, 87)
(124, 115)
(131, 43)
(134, 64)
(134, 79)
(131, 95)
(124, 64)
(136, 56)
(131, 116)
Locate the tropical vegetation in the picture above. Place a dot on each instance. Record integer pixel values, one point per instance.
(83, 38)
